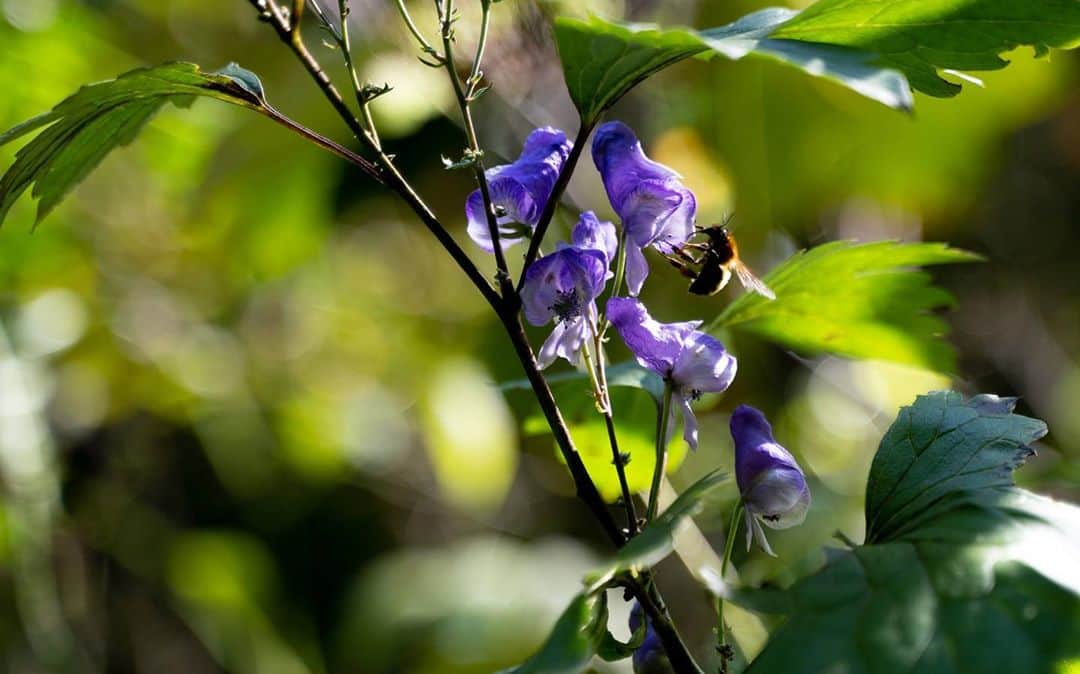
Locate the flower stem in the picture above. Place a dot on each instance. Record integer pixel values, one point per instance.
(598, 375)
(729, 545)
(661, 453)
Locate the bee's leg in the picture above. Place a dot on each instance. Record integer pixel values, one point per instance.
(681, 254)
(696, 246)
(680, 264)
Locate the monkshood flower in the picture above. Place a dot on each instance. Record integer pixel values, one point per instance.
(563, 287)
(592, 233)
(771, 484)
(656, 209)
(692, 362)
(519, 190)
(649, 657)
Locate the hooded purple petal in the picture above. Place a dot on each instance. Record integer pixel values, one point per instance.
(519, 190)
(650, 199)
(772, 485)
(563, 284)
(649, 658)
(655, 345)
(637, 269)
(704, 365)
(592, 233)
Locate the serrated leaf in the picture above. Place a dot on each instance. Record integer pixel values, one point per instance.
(921, 37)
(657, 539)
(982, 576)
(855, 300)
(878, 48)
(941, 446)
(81, 130)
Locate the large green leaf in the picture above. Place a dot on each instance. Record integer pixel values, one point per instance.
(82, 129)
(939, 447)
(874, 47)
(921, 37)
(855, 300)
(986, 577)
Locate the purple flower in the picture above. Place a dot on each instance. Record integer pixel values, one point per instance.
(772, 486)
(563, 287)
(690, 360)
(519, 190)
(649, 657)
(656, 209)
(592, 233)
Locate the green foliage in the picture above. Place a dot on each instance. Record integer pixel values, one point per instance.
(85, 127)
(575, 639)
(855, 300)
(874, 47)
(920, 37)
(984, 577)
(941, 447)
(657, 539)
(636, 416)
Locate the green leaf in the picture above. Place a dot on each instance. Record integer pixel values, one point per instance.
(81, 130)
(857, 301)
(921, 37)
(573, 641)
(938, 447)
(981, 576)
(874, 47)
(636, 428)
(657, 539)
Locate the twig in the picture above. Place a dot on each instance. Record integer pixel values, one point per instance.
(464, 99)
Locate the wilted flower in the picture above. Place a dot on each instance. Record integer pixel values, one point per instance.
(772, 486)
(690, 360)
(649, 657)
(656, 209)
(563, 287)
(519, 190)
(592, 233)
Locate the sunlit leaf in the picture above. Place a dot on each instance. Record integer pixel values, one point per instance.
(657, 539)
(981, 577)
(84, 128)
(874, 47)
(855, 300)
(921, 37)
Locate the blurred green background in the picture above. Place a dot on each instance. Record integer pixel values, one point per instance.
(248, 420)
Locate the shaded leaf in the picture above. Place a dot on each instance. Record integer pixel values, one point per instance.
(982, 577)
(657, 539)
(855, 300)
(938, 447)
(82, 129)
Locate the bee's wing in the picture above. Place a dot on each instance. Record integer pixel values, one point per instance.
(751, 282)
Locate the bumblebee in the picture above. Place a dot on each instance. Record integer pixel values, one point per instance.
(717, 263)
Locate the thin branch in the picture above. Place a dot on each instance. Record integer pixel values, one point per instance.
(362, 99)
(424, 44)
(553, 201)
(390, 176)
(464, 98)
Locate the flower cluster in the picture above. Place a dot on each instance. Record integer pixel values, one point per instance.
(656, 210)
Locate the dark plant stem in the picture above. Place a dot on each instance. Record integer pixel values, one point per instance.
(553, 201)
